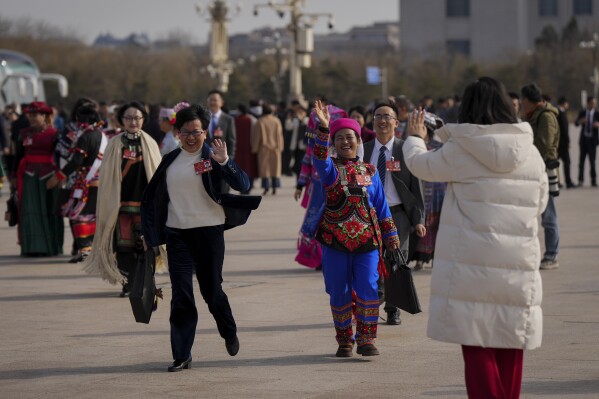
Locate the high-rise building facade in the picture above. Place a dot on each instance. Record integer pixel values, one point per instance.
(487, 29)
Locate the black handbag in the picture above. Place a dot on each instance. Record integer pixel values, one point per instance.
(12, 210)
(404, 296)
(142, 293)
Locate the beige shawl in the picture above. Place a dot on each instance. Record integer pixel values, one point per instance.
(102, 259)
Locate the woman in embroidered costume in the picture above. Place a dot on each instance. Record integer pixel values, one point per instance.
(350, 234)
(41, 230)
(63, 152)
(84, 163)
(309, 251)
(130, 160)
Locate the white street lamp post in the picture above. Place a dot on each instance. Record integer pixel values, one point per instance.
(300, 28)
(593, 44)
(220, 66)
(278, 51)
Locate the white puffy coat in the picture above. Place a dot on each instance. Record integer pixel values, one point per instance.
(486, 287)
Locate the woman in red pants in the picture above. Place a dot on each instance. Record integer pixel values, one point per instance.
(485, 288)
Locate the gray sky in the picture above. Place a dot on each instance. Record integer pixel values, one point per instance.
(88, 18)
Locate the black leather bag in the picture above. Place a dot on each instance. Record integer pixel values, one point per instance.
(12, 210)
(241, 206)
(405, 296)
(143, 288)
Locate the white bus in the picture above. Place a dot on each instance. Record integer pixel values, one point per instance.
(21, 81)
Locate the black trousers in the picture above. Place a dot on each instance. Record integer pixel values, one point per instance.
(564, 155)
(286, 155)
(201, 251)
(402, 222)
(587, 148)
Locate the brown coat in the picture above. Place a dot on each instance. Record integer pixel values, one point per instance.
(267, 143)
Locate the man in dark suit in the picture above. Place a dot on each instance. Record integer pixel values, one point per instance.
(402, 189)
(589, 138)
(563, 149)
(221, 126)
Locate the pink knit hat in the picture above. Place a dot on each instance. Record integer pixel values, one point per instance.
(344, 123)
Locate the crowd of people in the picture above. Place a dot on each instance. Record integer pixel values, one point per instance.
(429, 179)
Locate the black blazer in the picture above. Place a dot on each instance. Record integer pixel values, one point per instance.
(564, 136)
(226, 123)
(155, 199)
(407, 185)
(595, 133)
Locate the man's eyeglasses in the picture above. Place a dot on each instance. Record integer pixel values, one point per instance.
(383, 117)
(132, 118)
(195, 133)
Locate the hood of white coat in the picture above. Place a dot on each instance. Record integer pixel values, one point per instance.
(500, 147)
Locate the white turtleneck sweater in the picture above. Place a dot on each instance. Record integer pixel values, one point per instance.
(190, 205)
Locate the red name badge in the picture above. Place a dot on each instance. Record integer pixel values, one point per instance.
(218, 133)
(393, 166)
(128, 154)
(363, 180)
(27, 141)
(203, 166)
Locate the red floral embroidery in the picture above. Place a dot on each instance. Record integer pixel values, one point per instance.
(346, 222)
(320, 152)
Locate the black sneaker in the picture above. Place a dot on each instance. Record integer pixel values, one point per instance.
(549, 264)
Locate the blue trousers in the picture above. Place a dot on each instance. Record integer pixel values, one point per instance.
(344, 272)
(549, 223)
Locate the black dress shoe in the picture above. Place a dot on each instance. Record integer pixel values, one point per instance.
(393, 318)
(232, 346)
(179, 365)
(265, 192)
(77, 258)
(125, 291)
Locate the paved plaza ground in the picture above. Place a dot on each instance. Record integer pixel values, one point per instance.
(65, 334)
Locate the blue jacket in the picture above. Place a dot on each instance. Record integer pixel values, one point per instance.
(155, 199)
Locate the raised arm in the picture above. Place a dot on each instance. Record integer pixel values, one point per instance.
(321, 158)
(427, 165)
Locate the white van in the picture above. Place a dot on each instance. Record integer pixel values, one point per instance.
(21, 81)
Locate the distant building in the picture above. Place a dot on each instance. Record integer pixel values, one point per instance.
(372, 38)
(365, 39)
(134, 39)
(487, 29)
(255, 42)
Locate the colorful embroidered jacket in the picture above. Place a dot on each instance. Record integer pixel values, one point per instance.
(84, 154)
(354, 201)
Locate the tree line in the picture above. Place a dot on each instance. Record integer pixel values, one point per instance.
(557, 64)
